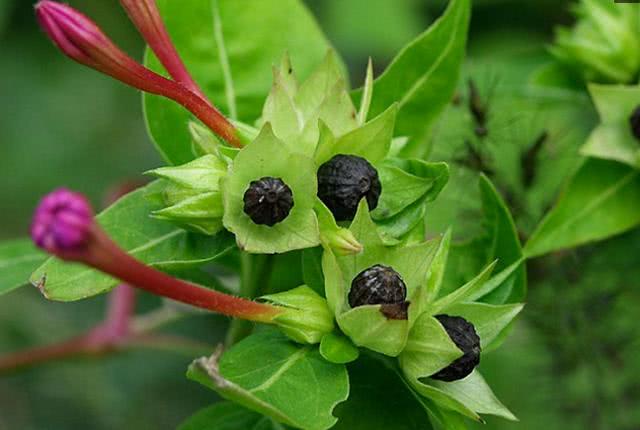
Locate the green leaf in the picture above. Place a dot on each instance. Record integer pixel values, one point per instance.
(367, 93)
(379, 400)
(268, 156)
(407, 181)
(228, 416)
(613, 139)
(428, 350)
(498, 241)
(338, 349)
(475, 394)
(488, 320)
(154, 242)
(463, 293)
(229, 47)
(423, 77)
(265, 372)
(18, 259)
(601, 200)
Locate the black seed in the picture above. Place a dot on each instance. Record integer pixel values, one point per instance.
(377, 285)
(343, 181)
(464, 335)
(634, 120)
(268, 201)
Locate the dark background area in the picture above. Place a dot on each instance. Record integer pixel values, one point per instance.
(569, 364)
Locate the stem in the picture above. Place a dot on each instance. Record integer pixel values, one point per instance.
(106, 256)
(74, 347)
(255, 272)
(146, 17)
(120, 309)
(204, 111)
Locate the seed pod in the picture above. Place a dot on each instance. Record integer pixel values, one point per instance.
(343, 181)
(464, 335)
(634, 121)
(377, 285)
(268, 201)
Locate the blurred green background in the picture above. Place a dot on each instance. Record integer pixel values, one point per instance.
(571, 362)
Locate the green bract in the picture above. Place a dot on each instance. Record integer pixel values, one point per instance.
(192, 194)
(613, 139)
(604, 45)
(366, 325)
(420, 342)
(268, 156)
(307, 318)
(317, 118)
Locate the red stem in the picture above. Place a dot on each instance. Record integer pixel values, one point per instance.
(146, 17)
(76, 346)
(106, 256)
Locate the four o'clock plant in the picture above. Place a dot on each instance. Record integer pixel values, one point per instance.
(334, 178)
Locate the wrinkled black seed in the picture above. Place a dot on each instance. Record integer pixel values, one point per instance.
(268, 201)
(634, 120)
(343, 181)
(377, 285)
(464, 335)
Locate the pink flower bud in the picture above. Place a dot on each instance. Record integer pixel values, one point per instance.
(62, 223)
(64, 226)
(83, 41)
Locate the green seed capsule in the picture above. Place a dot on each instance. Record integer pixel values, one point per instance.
(464, 335)
(268, 201)
(343, 181)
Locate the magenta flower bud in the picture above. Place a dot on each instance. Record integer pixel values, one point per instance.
(146, 17)
(62, 223)
(83, 41)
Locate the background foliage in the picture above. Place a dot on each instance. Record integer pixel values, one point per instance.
(570, 361)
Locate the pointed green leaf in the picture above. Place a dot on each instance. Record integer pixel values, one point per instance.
(260, 371)
(407, 181)
(601, 200)
(153, 242)
(475, 394)
(438, 266)
(229, 47)
(18, 259)
(367, 93)
(423, 77)
(488, 320)
(463, 293)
